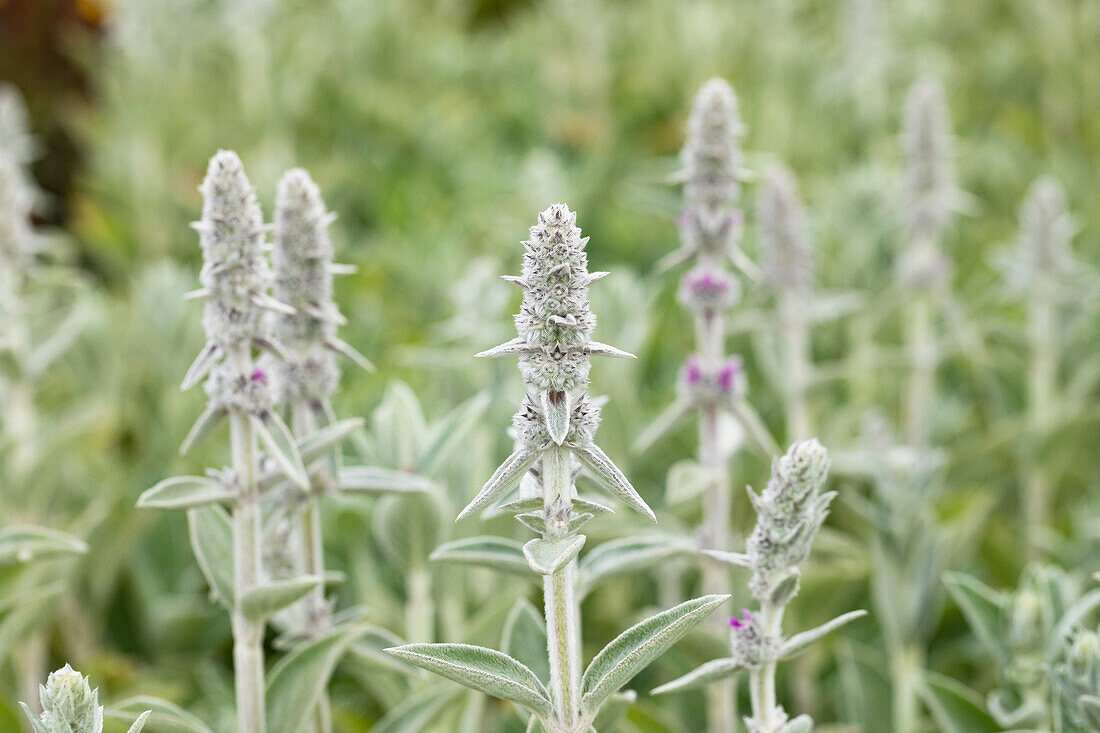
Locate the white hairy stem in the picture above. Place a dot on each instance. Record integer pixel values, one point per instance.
(766, 714)
(563, 618)
(1042, 373)
(248, 653)
(796, 347)
(311, 559)
(420, 608)
(922, 359)
(713, 456)
(906, 663)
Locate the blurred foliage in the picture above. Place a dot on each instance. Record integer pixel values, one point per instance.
(436, 130)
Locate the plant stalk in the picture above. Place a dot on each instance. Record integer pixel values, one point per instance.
(563, 623)
(796, 352)
(922, 359)
(765, 710)
(248, 653)
(905, 665)
(1041, 385)
(722, 695)
(312, 556)
(420, 611)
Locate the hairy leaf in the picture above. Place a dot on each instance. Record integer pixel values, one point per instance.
(262, 601)
(482, 669)
(546, 557)
(492, 552)
(608, 476)
(798, 643)
(639, 645)
(505, 477)
(701, 676)
(211, 531)
(184, 492)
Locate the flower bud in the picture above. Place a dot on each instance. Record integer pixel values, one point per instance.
(785, 248)
(926, 139)
(790, 512)
(751, 648)
(69, 704)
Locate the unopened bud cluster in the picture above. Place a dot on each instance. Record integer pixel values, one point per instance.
(1045, 230)
(235, 278)
(530, 423)
(303, 261)
(711, 162)
(69, 704)
(790, 512)
(785, 247)
(555, 321)
(926, 138)
(1077, 677)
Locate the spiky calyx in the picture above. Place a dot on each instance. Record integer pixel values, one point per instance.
(1046, 229)
(303, 263)
(69, 704)
(790, 511)
(785, 247)
(926, 138)
(530, 423)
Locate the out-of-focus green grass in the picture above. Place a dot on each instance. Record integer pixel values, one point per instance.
(437, 130)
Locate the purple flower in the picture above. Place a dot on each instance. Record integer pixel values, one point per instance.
(692, 373)
(728, 373)
(259, 375)
(745, 620)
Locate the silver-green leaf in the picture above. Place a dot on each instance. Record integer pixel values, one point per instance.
(798, 643)
(281, 445)
(505, 477)
(608, 476)
(262, 601)
(485, 670)
(492, 552)
(546, 557)
(184, 492)
(639, 645)
(717, 669)
(377, 480)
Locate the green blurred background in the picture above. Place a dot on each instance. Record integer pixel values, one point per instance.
(437, 129)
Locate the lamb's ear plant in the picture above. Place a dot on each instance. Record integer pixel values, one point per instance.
(29, 584)
(790, 511)
(236, 278)
(712, 385)
(70, 705)
(1023, 633)
(924, 269)
(1039, 272)
(555, 425)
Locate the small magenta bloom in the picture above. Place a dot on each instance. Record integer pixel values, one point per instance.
(259, 375)
(692, 372)
(746, 619)
(727, 375)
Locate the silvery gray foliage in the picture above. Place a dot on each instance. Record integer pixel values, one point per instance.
(554, 430)
(785, 245)
(18, 242)
(790, 512)
(1026, 632)
(70, 705)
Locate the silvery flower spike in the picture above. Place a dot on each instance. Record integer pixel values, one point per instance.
(70, 705)
(790, 512)
(555, 426)
(236, 277)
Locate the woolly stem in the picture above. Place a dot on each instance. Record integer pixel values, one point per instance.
(796, 353)
(722, 695)
(905, 663)
(1041, 381)
(563, 618)
(922, 358)
(311, 560)
(766, 714)
(420, 611)
(248, 653)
